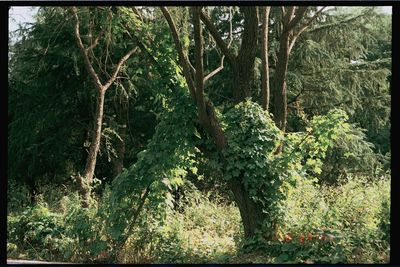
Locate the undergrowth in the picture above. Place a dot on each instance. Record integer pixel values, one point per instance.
(348, 223)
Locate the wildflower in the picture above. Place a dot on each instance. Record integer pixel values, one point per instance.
(288, 238)
(309, 237)
(302, 238)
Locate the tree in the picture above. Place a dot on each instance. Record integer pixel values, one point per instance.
(291, 30)
(86, 180)
(242, 74)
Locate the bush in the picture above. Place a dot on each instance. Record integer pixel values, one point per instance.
(353, 217)
(18, 196)
(351, 154)
(38, 233)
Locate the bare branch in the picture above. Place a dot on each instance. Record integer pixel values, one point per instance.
(137, 13)
(216, 71)
(230, 27)
(96, 41)
(221, 67)
(217, 37)
(88, 64)
(182, 57)
(118, 67)
(192, 70)
(308, 23)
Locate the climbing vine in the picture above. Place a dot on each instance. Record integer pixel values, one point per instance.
(253, 154)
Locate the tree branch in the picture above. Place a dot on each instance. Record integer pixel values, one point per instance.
(217, 37)
(182, 57)
(119, 65)
(304, 27)
(299, 15)
(96, 41)
(216, 71)
(308, 23)
(84, 53)
(137, 13)
(199, 79)
(144, 49)
(287, 17)
(221, 67)
(88, 64)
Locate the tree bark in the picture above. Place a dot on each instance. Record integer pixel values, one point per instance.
(264, 59)
(95, 139)
(199, 76)
(243, 68)
(279, 92)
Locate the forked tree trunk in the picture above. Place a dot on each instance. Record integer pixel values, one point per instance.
(85, 181)
(242, 76)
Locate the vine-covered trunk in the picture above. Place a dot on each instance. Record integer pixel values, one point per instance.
(242, 75)
(250, 211)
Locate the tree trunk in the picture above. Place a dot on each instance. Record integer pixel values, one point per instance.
(264, 59)
(242, 78)
(88, 173)
(32, 189)
(87, 179)
(243, 69)
(279, 91)
(250, 212)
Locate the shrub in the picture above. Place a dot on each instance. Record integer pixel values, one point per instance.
(39, 233)
(353, 216)
(17, 196)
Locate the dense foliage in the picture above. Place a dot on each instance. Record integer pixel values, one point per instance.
(187, 171)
